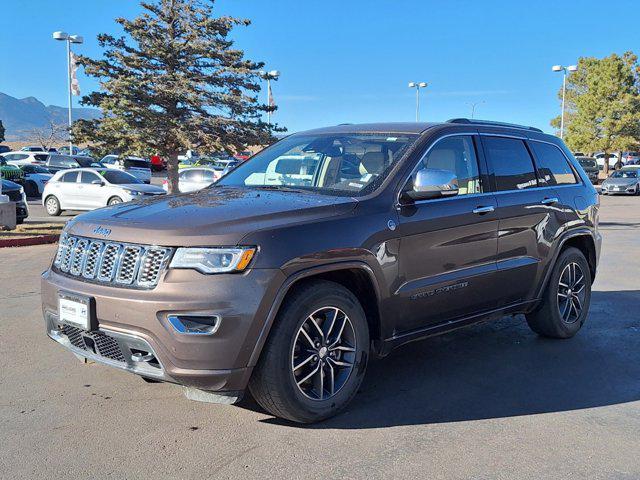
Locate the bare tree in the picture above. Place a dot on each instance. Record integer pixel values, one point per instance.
(49, 135)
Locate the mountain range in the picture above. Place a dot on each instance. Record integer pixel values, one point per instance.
(20, 116)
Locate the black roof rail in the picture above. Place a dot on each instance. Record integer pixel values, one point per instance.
(491, 123)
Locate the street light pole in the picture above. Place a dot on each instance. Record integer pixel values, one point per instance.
(564, 70)
(473, 106)
(417, 86)
(69, 39)
(268, 76)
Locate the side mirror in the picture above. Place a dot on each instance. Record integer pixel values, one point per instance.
(97, 182)
(433, 183)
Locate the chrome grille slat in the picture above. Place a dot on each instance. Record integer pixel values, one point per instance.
(77, 257)
(120, 264)
(66, 256)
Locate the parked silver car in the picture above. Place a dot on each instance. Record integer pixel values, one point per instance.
(623, 182)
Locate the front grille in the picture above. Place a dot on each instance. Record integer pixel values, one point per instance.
(121, 264)
(96, 342)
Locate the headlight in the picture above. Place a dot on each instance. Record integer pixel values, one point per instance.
(134, 193)
(213, 260)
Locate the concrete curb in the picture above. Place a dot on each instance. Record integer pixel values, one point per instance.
(29, 241)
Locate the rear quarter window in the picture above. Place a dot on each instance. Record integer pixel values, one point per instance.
(553, 166)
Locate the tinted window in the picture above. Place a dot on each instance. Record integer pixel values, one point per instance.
(118, 177)
(41, 158)
(85, 161)
(88, 177)
(456, 154)
(553, 166)
(512, 164)
(129, 163)
(69, 177)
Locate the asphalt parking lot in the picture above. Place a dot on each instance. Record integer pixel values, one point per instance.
(491, 402)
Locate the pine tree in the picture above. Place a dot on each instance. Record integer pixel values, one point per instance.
(174, 82)
(603, 105)
(1, 131)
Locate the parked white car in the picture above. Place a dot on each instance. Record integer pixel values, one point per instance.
(613, 158)
(88, 189)
(25, 158)
(136, 166)
(35, 179)
(195, 178)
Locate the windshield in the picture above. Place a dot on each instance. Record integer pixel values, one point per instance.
(352, 164)
(118, 177)
(624, 174)
(85, 161)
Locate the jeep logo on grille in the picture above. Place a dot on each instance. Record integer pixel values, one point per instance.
(100, 230)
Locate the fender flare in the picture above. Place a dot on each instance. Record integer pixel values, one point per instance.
(286, 287)
(580, 232)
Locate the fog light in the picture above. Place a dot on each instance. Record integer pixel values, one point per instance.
(195, 324)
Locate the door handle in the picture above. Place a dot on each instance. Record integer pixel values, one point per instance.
(482, 210)
(550, 201)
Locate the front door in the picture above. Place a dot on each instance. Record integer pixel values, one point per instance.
(448, 245)
(90, 194)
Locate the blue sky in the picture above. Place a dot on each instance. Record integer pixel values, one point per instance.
(350, 60)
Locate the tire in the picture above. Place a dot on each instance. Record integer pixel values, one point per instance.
(52, 205)
(114, 201)
(551, 319)
(282, 389)
(31, 190)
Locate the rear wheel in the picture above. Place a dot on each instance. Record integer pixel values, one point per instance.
(316, 355)
(114, 201)
(52, 205)
(565, 303)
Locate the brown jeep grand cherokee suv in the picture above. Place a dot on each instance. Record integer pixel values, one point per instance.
(328, 247)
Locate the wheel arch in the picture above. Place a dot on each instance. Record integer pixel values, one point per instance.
(582, 240)
(355, 276)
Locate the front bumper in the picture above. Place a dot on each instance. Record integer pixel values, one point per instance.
(620, 190)
(137, 321)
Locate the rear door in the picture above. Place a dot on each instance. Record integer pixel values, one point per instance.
(529, 214)
(447, 261)
(66, 190)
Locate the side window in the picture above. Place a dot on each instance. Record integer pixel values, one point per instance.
(554, 168)
(88, 177)
(456, 154)
(69, 177)
(511, 162)
(192, 176)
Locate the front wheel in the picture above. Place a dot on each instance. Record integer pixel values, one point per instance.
(52, 205)
(114, 201)
(316, 354)
(565, 302)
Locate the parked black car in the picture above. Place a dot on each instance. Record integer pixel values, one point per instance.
(57, 162)
(16, 194)
(590, 166)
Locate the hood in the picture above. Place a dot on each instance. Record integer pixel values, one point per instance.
(142, 187)
(620, 181)
(214, 216)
